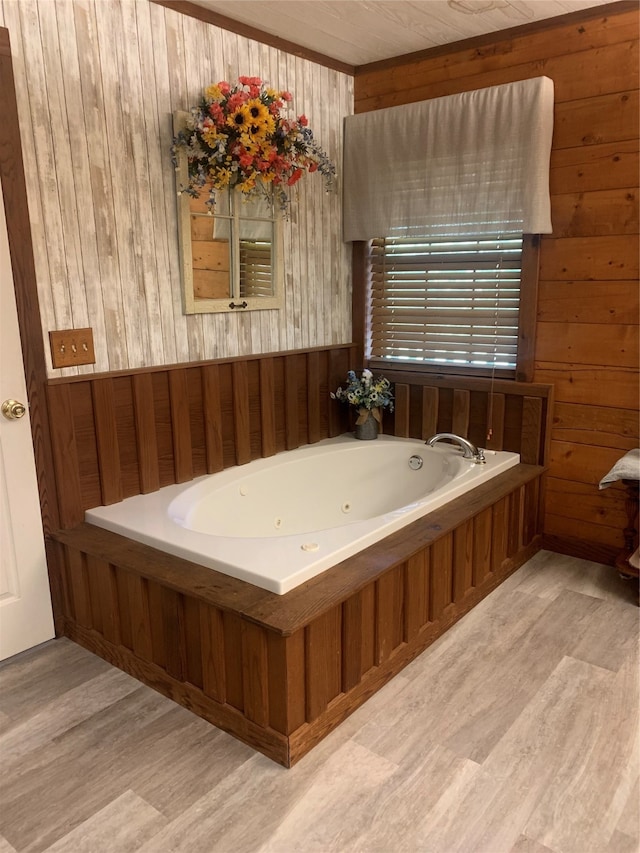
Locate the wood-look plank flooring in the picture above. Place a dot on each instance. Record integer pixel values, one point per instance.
(516, 732)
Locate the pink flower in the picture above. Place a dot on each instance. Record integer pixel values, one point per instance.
(303, 120)
(286, 96)
(224, 87)
(216, 113)
(250, 81)
(236, 100)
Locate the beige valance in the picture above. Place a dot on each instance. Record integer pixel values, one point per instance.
(473, 163)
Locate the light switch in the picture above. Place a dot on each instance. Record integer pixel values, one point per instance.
(72, 347)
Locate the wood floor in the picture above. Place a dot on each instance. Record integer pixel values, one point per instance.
(516, 732)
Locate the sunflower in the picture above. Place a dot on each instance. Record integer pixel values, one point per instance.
(239, 119)
(258, 112)
(253, 136)
(246, 145)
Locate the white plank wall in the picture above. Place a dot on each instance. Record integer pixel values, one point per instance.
(97, 84)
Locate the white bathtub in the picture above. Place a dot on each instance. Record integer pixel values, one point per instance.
(280, 521)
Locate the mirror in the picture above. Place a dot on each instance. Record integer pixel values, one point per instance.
(230, 254)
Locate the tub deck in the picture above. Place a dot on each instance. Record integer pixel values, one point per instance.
(281, 671)
(253, 523)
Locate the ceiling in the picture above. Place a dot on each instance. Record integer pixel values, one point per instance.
(357, 32)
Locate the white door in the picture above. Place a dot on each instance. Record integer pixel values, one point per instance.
(25, 602)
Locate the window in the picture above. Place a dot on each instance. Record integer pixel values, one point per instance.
(445, 302)
(229, 254)
(447, 183)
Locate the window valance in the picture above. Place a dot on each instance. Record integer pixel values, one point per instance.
(472, 163)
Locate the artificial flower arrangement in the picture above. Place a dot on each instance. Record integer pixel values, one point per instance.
(367, 395)
(238, 136)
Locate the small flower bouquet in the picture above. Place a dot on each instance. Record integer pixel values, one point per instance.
(238, 136)
(367, 395)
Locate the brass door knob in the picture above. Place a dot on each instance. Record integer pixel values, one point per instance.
(12, 409)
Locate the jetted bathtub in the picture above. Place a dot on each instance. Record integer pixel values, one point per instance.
(278, 522)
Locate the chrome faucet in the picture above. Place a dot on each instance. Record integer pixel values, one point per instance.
(470, 451)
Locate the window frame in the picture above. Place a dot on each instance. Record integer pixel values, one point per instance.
(526, 320)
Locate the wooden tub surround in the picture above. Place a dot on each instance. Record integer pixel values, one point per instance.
(279, 672)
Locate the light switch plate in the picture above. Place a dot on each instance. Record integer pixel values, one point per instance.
(72, 347)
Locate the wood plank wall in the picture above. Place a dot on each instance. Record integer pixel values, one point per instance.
(132, 432)
(587, 331)
(495, 415)
(97, 84)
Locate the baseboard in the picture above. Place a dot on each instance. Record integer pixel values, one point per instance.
(594, 551)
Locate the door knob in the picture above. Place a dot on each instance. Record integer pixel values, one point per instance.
(12, 409)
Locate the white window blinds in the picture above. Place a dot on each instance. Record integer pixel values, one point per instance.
(445, 302)
(473, 163)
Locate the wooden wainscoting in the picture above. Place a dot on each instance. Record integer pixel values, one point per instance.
(280, 672)
(517, 413)
(120, 434)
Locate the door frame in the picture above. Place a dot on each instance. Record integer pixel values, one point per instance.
(14, 189)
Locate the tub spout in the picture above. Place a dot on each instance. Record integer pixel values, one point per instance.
(469, 450)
